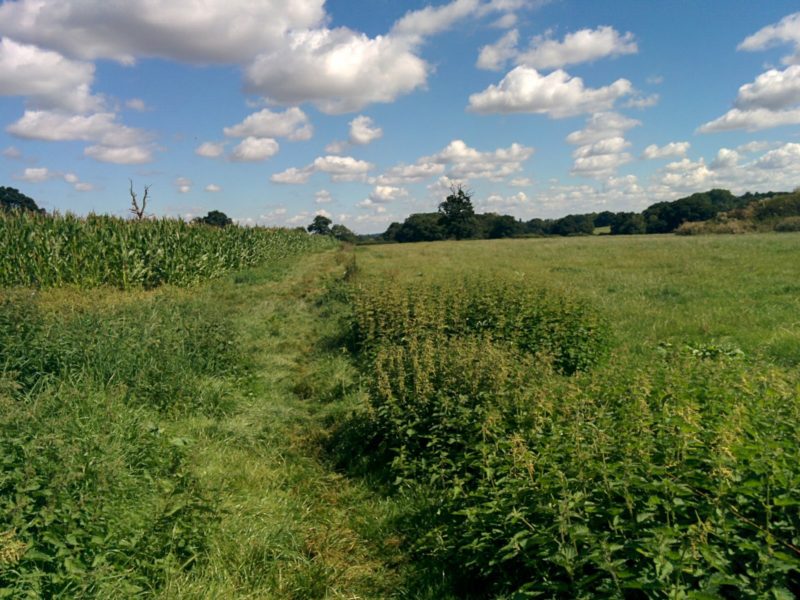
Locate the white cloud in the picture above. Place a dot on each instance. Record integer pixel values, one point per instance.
(12, 153)
(601, 126)
(292, 123)
(785, 158)
(751, 120)
(494, 57)
(402, 174)
(323, 197)
(524, 90)
(581, 46)
(773, 90)
(292, 176)
(672, 149)
(100, 128)
(363, 131)
(726, 159)
(210, 149)
(184, 185)
(82, 186)
(786, 31)
(433, 19)
(136, 104)
(253, 149)
(37, 174)
(601, 145)
(342, 168)
(642, 101)
(521, 182)
(497, 202)
(49, 80)
(338, 70)
(387, 193)
(131, 155)
(190, 31)
(213, 188)
(337, 147)
(772, 100)
(468, 163)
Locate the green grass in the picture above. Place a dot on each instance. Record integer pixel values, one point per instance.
(221, 441)
(738, 290)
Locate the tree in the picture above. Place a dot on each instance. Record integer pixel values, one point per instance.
(628, 223)
(457, 215)
(215, 218)
(574, 225)
(421, 227)
(321, 225)
(343, 234)
(136, 209)
(13, 199)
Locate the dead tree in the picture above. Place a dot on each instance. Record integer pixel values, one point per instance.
(136, 210)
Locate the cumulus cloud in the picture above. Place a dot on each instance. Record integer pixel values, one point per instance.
(773, 90)
(601, 145)
(213, 188)
(253, 149)
(340, 168)
(338, 70)
(36, 174)
(292, 176)
(387, 193)
(602, 126)
(465, 162)
(130, 155)
(672, 149)
(403, 174)
(363, 131)
(521, 182)
(184, 30)
(323, 197)
(786, 31)
(585, 45)
(210, 149)
(111, 141)
(642, 101)
(12, 153)
(136, 104)
(558, 94)
(494, 57)
(773, 98)
(751, 120)
(292, 123)
(49, 80)
(184, 185)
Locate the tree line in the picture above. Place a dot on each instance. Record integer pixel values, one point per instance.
(457, 219)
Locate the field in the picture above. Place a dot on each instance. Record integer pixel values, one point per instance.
(557, 418)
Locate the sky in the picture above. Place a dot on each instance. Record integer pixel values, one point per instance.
(366, 111)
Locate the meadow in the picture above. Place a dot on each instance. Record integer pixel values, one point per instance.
(560, 418)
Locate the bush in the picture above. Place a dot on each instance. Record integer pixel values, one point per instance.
(788, 224)
(532, 321)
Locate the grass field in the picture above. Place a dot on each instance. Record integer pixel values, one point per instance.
(246, 438)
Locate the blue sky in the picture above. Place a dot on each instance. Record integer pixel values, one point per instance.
(368, 110)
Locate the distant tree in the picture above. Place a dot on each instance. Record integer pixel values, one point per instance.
(342, 233)
(500, 226)
(604, 219)
(457, 215)
(665, 217)
(215, 218)
(137, 209)
(13, 199)
(321, 225)
(574, 225)
(628, 223)
(390, 235)
(421, 227)
(537, 227)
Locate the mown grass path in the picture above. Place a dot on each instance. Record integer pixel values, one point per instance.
(286, 526)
